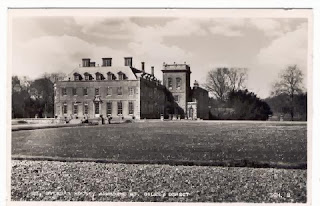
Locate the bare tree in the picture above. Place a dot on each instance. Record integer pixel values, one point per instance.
(290, 84)
(221, 81)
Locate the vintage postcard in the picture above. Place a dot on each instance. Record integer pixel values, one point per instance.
(159, 105)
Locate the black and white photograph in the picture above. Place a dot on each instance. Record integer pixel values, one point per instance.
(160, 105)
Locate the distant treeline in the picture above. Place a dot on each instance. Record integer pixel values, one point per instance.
(33, 98)
(240, 105)
(245, 105)
(288, 101)
(281, 105)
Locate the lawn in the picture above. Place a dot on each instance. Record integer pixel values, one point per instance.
(263, 144)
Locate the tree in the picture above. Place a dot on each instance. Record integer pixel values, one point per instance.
(280, 105)
(247, 106)
(242, 105)
(42, 91)
(290, 85)
(221, 81)
(21, 102)
(30, 98)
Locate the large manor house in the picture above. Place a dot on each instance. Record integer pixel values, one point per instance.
(92, 91)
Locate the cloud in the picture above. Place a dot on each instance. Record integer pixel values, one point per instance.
(288, 49)
(148, 42)
(115, 28)
(265, 48)
(173, 28)
(155, 52)
(270, 27)
(57, 53)
(230, 27)
(184, 27)
(101, 27)
(225, 31)
(64, 53)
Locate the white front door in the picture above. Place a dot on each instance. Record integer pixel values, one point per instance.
(191, 112)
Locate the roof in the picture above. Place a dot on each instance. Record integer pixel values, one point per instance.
(176, 66)
(104, 70)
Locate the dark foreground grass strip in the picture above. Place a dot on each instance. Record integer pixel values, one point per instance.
(234, 163)
(31, 127)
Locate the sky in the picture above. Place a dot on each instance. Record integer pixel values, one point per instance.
(265, 46)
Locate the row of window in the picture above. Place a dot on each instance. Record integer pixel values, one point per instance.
(75, 108)
(99, 76)
(97, 91)
(178, 83)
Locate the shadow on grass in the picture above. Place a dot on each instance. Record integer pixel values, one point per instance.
(234, 163)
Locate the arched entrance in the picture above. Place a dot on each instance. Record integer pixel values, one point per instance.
(191, 112)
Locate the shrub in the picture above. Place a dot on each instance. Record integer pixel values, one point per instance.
(22, 122)
(242, 105)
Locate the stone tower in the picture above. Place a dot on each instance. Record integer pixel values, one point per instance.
(176, 77)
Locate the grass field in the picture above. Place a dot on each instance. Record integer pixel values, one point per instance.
(246, 144)
(281, 145)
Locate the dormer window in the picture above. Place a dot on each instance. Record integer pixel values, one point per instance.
(87, 76)
(77, 77)
(110, 76)
(122, 76)
(99, 76)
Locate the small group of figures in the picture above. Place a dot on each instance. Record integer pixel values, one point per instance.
(109, 118)
(100, 119)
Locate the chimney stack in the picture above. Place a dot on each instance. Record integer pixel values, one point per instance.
(128, 61)
(106, 62)
(152, 70)
(142, 67)
(195, 84)
(85, 62)
(92, 64)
